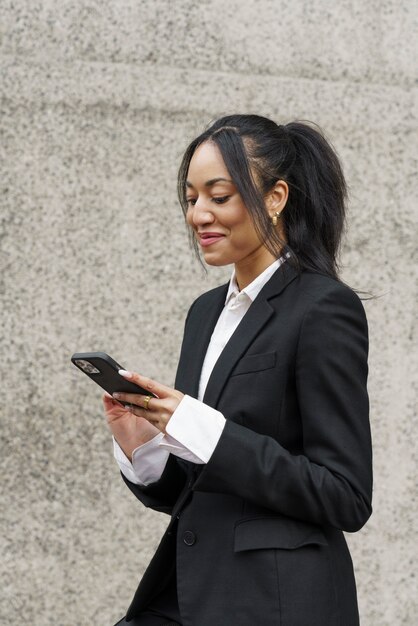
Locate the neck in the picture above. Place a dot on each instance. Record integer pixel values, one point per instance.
(247, 270)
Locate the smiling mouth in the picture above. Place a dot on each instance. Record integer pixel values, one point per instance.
(207, 239)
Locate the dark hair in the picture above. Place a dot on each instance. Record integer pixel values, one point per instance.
(257, 153)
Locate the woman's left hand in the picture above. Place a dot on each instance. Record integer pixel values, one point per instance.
(157, 411)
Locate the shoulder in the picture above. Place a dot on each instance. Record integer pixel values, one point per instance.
(319, 289)
(330, 307)
(316, 303)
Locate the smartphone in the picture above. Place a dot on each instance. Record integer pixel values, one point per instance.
(101, 368)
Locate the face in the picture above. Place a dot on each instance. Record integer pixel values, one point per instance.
(216, 212)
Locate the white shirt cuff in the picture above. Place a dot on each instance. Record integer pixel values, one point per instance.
(193, 431)
(148, 461)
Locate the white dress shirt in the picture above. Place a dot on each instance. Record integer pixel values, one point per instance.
(195, 428)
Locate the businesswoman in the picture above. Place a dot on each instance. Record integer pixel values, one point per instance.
(261, 453)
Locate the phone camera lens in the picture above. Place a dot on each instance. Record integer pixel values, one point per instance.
(87, 367)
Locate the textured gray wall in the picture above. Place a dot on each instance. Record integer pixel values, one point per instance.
(98, 101)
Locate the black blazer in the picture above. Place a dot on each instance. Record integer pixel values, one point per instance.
(257, 531)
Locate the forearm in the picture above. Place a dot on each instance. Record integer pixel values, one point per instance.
(163, 493)
(147, 464)
(266, 474)
(192, 434)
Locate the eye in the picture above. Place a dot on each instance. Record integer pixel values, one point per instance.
(191, 201)
(221, 200)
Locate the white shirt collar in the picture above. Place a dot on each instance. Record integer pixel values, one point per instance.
(253, 289)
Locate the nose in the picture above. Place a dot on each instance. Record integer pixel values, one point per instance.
(200, 214)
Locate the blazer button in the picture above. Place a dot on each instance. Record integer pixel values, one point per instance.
(189, 538)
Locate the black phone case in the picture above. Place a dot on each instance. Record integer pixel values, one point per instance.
(107, 377)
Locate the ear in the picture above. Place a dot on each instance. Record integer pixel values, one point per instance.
(277, 197)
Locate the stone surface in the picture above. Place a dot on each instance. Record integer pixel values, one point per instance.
(99, 100)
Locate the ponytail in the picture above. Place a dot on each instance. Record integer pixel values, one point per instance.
(315, 213)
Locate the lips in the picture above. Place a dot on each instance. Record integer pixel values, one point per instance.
(207, 239)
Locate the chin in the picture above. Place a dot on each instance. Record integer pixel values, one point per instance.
(216, 262)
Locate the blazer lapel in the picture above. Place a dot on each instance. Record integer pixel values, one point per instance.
(196, 341)
(252, 323)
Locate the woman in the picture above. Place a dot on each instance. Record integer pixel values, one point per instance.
(261, 454)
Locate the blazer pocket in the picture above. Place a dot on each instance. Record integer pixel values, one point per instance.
(255, 363)
(275, 532)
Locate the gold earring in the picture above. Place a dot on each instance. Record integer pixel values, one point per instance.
(275, 218)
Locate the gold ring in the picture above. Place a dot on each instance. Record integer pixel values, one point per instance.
(146, 402)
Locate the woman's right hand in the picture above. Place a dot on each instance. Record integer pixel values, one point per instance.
(129, 430)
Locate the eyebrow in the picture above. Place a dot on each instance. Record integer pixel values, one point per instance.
(211, 182)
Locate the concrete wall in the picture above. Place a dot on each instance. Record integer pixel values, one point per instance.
(98, 101)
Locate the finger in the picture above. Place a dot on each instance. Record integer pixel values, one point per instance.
(141, 412)
(155, 388)
(109, 402)
(145, 415)
(137, 399)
